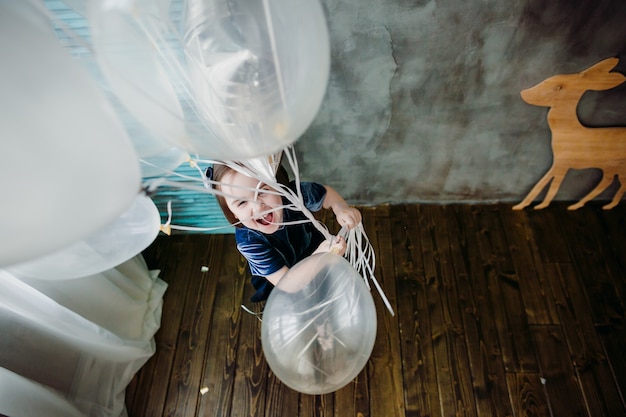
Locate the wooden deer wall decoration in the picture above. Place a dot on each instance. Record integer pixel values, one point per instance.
(575, 146)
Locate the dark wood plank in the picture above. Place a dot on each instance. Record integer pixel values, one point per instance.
(562, 390)
(507, 295)
(614, 236)
(317, 405)
(546, 225)
(453, 377)
(385, 367)
(468, 266)
(586, 244)
(354, 398)
(280, 399)
(577, 334)
(599, 269)
(430, 257)
(527, 394)
(486, 358)
(526, 253)
(609, 227)
(250, 384)
(173, 272)
(491, 249)
(184, 389)
(584, 344)
(613, 334)
(613, 340)
(415, 341)
(221, 356)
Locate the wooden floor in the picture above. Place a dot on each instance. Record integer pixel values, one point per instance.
(499, 313)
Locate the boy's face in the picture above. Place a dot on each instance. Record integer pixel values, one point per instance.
(251, 204)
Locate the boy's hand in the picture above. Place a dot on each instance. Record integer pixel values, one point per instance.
(335, 245)
(346, 216)
(349, 217)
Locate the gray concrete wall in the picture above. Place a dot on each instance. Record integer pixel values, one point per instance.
(423, 102)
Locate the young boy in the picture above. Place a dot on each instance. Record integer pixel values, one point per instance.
(265, 231)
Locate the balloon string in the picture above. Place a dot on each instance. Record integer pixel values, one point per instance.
(360, 254)
(257, 315)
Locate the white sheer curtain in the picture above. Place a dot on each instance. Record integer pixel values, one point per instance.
(70, 347)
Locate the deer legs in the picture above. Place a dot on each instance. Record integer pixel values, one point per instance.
(617, 197)
(602, 185)
(554, 174)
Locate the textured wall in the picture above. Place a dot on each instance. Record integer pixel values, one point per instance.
(423, 102)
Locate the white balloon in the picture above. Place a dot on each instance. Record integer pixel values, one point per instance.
(67, 167)
(110, 246)
(259, 71)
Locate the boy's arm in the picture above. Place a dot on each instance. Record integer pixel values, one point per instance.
(337, 245)
(346, 215)
(276, 276)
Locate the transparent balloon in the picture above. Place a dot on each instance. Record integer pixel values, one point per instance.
(259, 68)
(319, 325)
(110, 246)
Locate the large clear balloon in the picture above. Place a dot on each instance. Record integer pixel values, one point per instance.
(233, 80)
(319, 325)
(110, 246)
(259, 68)
(67, 166)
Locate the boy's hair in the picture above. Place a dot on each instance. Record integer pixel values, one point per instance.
(218, 171)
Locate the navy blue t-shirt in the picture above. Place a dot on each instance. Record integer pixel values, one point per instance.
(267, 253)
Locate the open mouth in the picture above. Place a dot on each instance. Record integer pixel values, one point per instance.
(266, 220)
